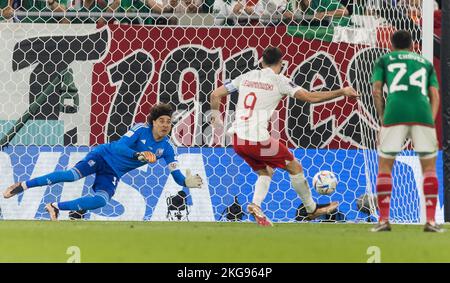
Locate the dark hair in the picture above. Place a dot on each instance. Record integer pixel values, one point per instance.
(272, 55)
(401, 39)
(160, 110)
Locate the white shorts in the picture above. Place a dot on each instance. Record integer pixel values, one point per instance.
(392, 139)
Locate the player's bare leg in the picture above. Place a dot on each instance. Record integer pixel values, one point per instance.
(430, 189)
(384, 191)
(261, 190)
(304, 192)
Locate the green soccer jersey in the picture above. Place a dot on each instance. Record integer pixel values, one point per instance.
(408, 76)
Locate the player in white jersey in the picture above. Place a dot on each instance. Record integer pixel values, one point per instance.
(259, 92)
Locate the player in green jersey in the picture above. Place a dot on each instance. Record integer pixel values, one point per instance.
(409, 112)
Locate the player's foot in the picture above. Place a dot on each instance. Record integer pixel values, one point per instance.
(260, 217)
(322, 209)
(432, 227)
(77, 214)
(53, 211)
(382, 227)
(13, 190)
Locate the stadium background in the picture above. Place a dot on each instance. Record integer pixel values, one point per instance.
(112, 76)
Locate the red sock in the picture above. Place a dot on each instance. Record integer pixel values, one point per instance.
(430, 190)
(384, 190)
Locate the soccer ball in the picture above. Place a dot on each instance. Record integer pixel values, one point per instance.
(325, 182)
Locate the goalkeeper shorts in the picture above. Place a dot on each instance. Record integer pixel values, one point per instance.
(392, 140)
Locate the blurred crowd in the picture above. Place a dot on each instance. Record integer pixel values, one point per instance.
(225, 12)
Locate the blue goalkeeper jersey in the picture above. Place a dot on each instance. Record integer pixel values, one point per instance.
(120, 154)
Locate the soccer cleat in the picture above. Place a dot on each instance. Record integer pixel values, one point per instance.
(432, 228)
(260, 217)
(322, 209)
(53, 211)
(77, 214)
(13, 190)
(382, 227)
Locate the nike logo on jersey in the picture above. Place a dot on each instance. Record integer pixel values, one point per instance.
(143, 141)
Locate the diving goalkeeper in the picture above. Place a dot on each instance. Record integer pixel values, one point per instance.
(143, 143)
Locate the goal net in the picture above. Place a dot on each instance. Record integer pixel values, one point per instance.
(73, 75)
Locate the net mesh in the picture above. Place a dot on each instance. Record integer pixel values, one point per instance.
(77, 74)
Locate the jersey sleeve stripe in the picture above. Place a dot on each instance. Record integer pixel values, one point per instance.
(138, 126)
(230, 87)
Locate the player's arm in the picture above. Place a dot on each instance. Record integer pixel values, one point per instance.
(190, 181)
(57, 6)
(378, 99)
(288, 87)
(334, 13)
(8, 11)
(320, 96)
(229, 87)
(378, 80)
(433, 94)
(124, 146)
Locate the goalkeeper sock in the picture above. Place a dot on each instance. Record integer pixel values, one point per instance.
(84, 203)
(384, 191)
(261, 189)
(52, 178)
(430, 190)
(304, 192)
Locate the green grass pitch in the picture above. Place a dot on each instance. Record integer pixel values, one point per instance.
(45, 241)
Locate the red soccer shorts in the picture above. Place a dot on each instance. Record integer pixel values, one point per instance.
(258, 155)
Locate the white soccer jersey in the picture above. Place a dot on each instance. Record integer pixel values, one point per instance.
(260, 91)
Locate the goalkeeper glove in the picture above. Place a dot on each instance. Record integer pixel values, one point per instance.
(193, 181)
(146, 156)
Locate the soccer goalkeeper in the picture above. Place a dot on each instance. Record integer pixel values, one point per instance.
(409, 112)
(143, 143)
